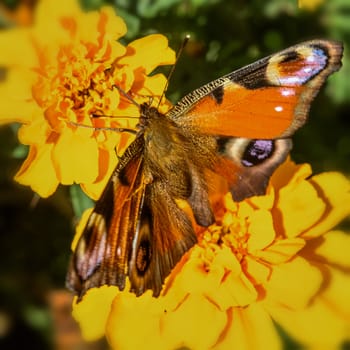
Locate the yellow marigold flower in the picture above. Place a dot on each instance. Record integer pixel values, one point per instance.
(272, 258)
(64, 70)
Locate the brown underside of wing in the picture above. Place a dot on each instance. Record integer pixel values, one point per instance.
(102, 253)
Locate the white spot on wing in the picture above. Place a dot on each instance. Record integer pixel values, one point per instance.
(278, 108)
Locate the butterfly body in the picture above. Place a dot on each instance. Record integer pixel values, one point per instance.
(237, 127)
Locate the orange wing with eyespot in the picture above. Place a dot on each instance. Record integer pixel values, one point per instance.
(265, 100)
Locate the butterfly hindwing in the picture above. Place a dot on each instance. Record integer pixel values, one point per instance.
(254, 163)
(164, 233)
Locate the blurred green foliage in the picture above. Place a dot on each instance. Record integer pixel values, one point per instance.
(35, 234)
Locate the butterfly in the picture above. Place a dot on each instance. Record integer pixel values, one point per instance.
(238, 127)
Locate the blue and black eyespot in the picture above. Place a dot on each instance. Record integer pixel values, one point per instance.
(257, 151)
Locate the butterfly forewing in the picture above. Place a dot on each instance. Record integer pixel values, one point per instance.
(267, 99)
(102, 252)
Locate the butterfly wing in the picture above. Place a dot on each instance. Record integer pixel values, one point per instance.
(136, 229)
(253, 111)
(101, 254)
(164, 233)
(265, 100)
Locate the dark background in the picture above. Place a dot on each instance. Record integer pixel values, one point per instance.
(35, 234)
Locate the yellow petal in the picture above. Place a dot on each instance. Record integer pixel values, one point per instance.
(196, 324)
(234, 287)
(316, 326)
(258, 271)
(17, 104)
(293, 284)
(300, 207)
(107, 164)
(134, 322)
(37, 171)
(290, 173)
(332, 248)
(281, 250)
(197, 275)
(221, 280)
(249, 328)
(336, 295)
(115, 25)
(263, 202)
(72, 156)
(101, 27)
(48, 20)
(261, 229)
(17, 49)
(154, 51)
(92, 312)
(335, 189)
(235, 290)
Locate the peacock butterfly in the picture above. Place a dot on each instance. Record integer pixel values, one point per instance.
(238, 126)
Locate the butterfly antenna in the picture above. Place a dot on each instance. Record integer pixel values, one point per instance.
(127, 96)
(130, 131)
(178, 55)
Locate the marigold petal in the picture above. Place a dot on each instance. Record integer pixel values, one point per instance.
(263, 202)
(335, 189)
(250, 328)
(49, 9)
(300, 207)
(186, 326)
(195, 277)
(115, 26)
(332, 248)
(48, 17)
(261, 229)
(258, 272)
(293, 284)
(154, 51)
(221, 280)
(107, 163)
(109, 29)
(290, 173)
(93, 311)
(71, 156)
(336, 295)
(245, 210)
(17, 49)
(234, 291)
(234, 288)
(16, 98)
(134, 322)
(317, 326)
(281, 250)
(37, 171)
(154, 85)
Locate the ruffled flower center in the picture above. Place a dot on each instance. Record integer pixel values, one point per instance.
(77, 90)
